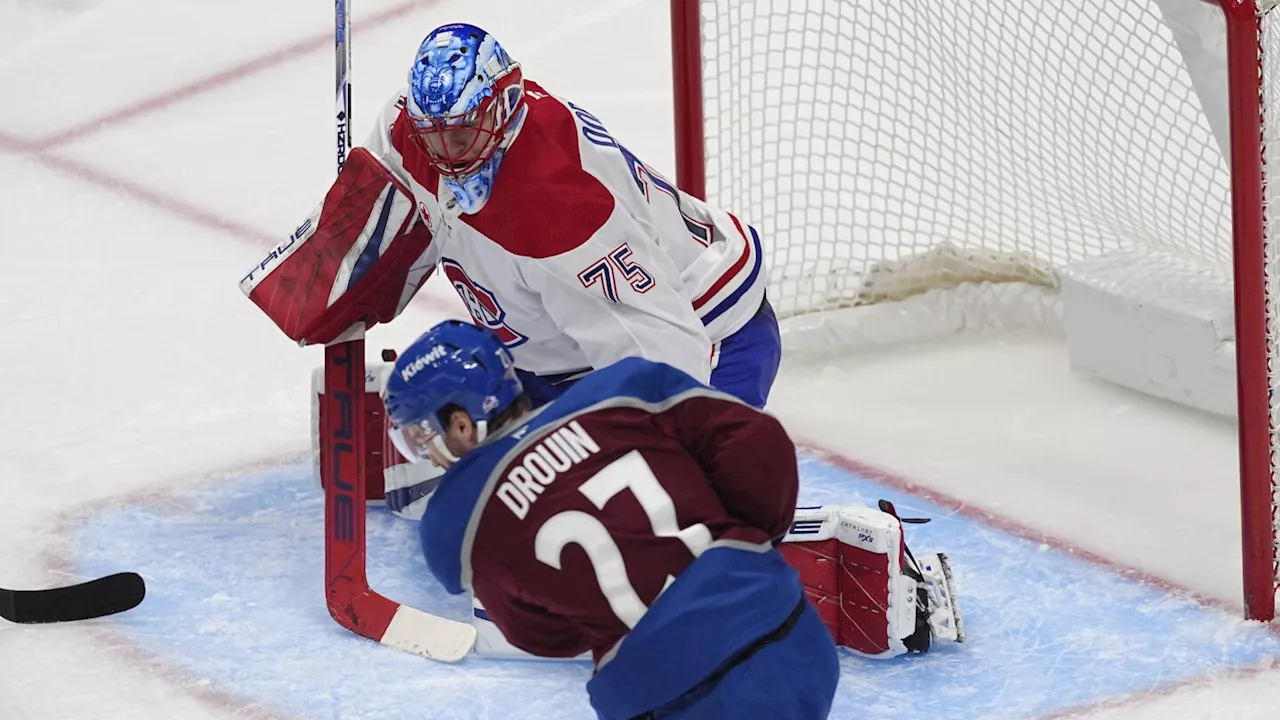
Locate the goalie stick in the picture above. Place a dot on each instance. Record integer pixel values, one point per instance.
(97, 598)
(352, 603)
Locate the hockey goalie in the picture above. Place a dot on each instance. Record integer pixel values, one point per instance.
(708, 346)
(556, 237)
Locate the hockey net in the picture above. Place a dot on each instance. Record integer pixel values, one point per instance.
(918, 151)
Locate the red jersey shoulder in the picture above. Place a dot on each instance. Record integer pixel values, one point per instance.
(544, 203)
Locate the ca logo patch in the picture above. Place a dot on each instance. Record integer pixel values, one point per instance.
(482, 304)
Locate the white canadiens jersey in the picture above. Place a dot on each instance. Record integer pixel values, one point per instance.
(582, 255)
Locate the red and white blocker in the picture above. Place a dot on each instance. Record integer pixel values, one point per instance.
(873, 596)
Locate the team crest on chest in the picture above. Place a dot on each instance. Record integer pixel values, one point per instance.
(481, 303)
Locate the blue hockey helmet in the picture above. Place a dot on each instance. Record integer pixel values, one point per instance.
(465, 100)
(454, 363)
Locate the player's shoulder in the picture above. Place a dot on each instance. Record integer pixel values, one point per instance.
(411, 156)
(444, 525)
(544, 202)
(396, 102)
(464, 479)
(390, 120)
(637, 382)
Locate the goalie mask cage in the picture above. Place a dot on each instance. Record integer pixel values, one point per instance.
(886, 149)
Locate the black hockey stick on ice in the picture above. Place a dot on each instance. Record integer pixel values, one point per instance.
(97, 598)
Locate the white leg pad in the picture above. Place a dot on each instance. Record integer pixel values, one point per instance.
(856, 571)
(877, 601)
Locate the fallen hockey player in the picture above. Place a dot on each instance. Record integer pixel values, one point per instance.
(637, 517)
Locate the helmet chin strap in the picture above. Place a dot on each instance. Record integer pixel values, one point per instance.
(482, 431)
(438, 443)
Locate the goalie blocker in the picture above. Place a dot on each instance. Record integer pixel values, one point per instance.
(872, 594)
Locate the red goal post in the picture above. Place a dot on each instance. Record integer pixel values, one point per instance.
(891, 149)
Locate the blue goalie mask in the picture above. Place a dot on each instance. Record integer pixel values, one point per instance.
(465, 105)
(452, 364)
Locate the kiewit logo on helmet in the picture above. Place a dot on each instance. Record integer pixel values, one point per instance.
(422, 361)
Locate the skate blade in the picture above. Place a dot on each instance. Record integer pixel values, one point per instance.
(951, 593)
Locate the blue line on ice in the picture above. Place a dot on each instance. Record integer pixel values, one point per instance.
(234, 572)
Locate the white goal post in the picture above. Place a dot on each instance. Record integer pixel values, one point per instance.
(1098, 162)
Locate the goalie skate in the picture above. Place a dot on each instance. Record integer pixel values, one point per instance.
(945, 621)
(938, 608)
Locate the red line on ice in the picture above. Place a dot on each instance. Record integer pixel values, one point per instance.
(40, 150)
(219, 79)
(1017, 529)
(1162, 691)
(1012, 527)
(135, 191)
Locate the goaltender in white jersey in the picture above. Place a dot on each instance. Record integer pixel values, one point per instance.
(561, 241)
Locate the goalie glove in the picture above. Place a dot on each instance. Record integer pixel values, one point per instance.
(360, 257)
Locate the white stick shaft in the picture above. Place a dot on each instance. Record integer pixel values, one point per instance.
(342, 72)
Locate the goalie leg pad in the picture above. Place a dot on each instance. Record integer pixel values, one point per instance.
(869, 591)
(878, 601)
(812, 549)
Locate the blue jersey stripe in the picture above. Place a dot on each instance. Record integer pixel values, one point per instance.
(736, 295)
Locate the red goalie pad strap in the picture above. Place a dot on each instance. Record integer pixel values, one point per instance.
(361, 256)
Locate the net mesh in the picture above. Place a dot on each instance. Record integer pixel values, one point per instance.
(1269, 54)
(888, 148)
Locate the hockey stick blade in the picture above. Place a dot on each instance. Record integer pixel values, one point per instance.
(429, 636)
(97, 598)
(367, 613)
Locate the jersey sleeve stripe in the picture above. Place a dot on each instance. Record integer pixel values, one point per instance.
(746, 286)
(731, 272)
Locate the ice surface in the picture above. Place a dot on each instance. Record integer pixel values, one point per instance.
(149, 150)
(233, 584)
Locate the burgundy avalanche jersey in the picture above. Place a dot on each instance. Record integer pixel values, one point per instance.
(570, 525)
